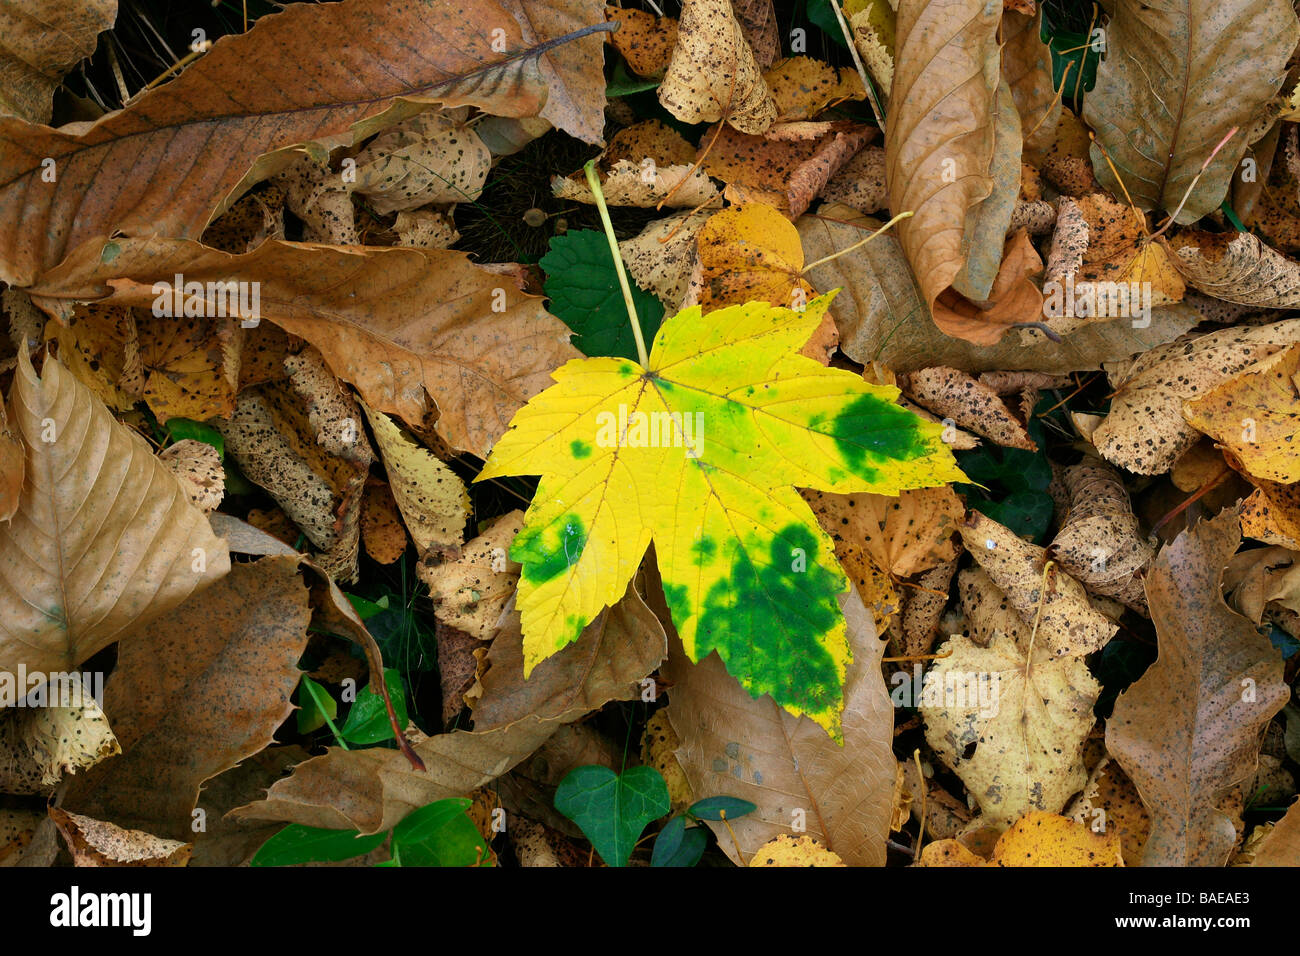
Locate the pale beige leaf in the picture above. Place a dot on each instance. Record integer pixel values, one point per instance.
(713, 73)
(470, 592)
(1067, 625)
(1100, 542)
(1238, 267)
(198, 466)
(1011, 727)
(39, 745)
(430, 158)
(629, 184)
(104, 538)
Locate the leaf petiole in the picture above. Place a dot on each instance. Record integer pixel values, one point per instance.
(594, 182)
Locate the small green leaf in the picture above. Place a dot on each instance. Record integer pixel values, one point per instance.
(612, 809)
(299, 844)
(367, 721)
(367, 609)
(679, 846)
(712, 808)
(624, 83)
(310, 714)
(584, 292)
(440, 834)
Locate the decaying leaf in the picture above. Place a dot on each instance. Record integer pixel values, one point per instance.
(1189, 728)
(100, 843)
(432, 499)
(400, 324)
(104, 537)
(470, 592)
(713, 74)
(1158, 127)
(790, 850)
(40, 744)
(953, 394)
(1100, 542)
(198, 466)
(1010, 720)
(195, 692)
(1053, 602)
(42, 41)
(1145, 431)
(120, 174)
(1256, 414)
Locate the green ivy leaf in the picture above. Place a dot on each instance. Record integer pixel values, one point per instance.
(584, 292)
(612, 809)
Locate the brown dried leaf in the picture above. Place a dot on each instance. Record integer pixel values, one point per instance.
(784, 174)
(606, 663)
(381, 524)
(399, 324)
(1225, 59)
(373, 789)
(1027, 68)
(939, 144)
(1189, 729)
(953, 394)
(40, 40)
(197, 691)
(121, 174)
(104, 538)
